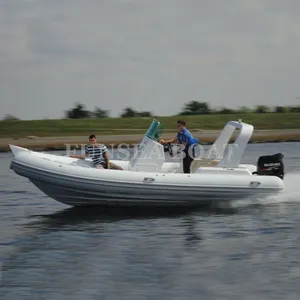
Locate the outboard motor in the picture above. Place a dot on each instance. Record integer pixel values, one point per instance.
(271, 165)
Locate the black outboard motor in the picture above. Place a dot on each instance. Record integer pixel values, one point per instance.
(271, 165)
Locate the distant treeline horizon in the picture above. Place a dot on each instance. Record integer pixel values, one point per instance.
(191, 108)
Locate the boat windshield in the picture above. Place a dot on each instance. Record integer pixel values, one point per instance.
(154, 130)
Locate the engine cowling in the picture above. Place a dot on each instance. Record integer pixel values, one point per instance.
(271, 165)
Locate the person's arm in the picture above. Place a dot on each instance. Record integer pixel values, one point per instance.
(106, 156)
(164, 142)
(107, 160)
(78, 156)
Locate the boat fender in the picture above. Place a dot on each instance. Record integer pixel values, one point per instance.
(149, 179)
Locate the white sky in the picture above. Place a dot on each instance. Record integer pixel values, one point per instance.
(152, 55)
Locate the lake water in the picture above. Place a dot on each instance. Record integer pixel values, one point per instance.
(245, 251)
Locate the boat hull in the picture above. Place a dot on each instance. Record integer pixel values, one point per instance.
(76, 190)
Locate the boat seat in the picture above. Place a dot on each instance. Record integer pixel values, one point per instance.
(203, 162)
(171, 167)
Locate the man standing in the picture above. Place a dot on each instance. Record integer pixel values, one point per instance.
(184, 137)
(99, 155)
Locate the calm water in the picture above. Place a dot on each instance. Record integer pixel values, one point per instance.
(246, 251)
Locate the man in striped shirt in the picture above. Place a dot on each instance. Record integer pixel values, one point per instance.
(99, 155)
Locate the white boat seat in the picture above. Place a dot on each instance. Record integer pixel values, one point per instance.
(203, 162)
(170, 167)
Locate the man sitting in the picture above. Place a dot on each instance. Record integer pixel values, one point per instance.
(99, 155)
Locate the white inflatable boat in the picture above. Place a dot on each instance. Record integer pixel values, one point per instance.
(147, 179)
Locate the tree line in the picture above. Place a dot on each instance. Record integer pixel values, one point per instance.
(198, 108)
(191, 108)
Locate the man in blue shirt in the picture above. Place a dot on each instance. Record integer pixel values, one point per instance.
(184, 137)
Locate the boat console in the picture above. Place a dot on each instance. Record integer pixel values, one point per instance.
(150, 155)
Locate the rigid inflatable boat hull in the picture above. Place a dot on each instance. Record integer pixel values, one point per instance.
(79, 186)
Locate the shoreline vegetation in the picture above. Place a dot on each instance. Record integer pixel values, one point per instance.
(52, 135)
(277, 124)
(59, 144)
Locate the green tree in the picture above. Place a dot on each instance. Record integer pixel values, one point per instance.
(281, 109)
(260, 109)
(144, 114)
(10, 117)
(78, 112)
(225, 110)
(294, 109)
(100, 113)
(195, 108)
(128, 112)
(244, 110)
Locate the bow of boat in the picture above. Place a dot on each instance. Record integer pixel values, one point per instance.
(17, 149)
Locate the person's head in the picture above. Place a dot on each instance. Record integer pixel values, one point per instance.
(92, 139)
(180, 124)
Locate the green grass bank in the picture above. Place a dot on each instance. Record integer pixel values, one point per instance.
(124, 126)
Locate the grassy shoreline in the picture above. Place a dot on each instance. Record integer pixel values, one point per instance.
(205, 138)
(48, 135)
(124, 126)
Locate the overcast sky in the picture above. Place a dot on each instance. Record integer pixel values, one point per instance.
(152, 55)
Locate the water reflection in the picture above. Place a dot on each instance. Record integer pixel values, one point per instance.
(80, 216)
(192, 237)
(106, 222)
